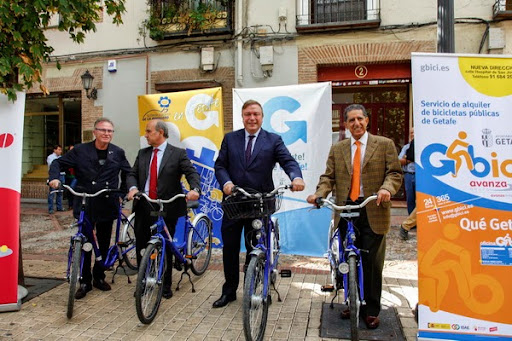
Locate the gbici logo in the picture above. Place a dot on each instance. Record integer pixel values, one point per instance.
(6, 140)
(487, 137)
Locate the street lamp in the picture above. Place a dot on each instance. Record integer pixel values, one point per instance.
(87, 79)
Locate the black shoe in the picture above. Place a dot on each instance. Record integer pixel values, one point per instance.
(101, 284)
(60, 209)
(404, 234)
(177, 265)
(82, 291)
(223, 301)
(167, 293)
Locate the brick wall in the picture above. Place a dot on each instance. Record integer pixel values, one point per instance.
(311, 57)
(223, 75)
(34, 189)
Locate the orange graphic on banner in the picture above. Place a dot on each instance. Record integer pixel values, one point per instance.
(451, 275)
(459, 155)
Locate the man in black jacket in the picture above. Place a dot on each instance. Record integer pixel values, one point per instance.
(97, 165)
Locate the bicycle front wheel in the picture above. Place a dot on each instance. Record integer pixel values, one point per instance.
(353, 292)
(255, 306)
(199, 245)
(148, 293)
(74, 276)
(128, 242)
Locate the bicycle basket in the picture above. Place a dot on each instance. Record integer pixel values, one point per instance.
(240, 207)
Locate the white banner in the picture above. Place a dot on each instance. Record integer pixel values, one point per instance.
(11, 147)
(302, 115)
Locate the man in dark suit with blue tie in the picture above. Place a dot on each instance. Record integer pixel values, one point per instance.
(246, 159)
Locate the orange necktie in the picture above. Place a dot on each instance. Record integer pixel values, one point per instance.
(356, 173)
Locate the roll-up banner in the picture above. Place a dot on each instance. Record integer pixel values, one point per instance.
(195, 122)
(463, 134)
(302, 115)
(11, 146)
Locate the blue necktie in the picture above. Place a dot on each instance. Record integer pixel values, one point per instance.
(248, 150)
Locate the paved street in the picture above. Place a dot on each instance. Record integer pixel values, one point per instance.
(187, 316)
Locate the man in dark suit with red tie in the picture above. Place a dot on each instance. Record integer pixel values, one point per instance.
(246, 159)
(157, 171)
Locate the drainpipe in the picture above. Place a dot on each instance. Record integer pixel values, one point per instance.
(239, 44)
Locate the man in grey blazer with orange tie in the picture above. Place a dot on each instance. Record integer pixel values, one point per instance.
(379, 172)
(246, 159)
(157, 171)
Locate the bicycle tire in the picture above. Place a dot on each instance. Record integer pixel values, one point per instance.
(353, 292)
(199, 241)
(128, 240)
(74, 275)
(149, 289)
(255, 306)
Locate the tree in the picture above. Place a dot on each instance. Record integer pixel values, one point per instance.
(23, 45)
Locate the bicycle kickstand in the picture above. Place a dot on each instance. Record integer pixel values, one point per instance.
(332, 301)
(278, 296)
(120, 265)
(185, 272)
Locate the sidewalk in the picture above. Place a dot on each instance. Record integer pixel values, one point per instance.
(188, 316)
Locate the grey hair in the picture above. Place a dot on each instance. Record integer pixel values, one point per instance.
(161, 125)
(354, 107)
(103, 119)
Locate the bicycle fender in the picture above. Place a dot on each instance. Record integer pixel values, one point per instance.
(155, 241)
(256, 252)
(199, 216)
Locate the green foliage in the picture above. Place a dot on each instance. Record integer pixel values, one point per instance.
(23, 45)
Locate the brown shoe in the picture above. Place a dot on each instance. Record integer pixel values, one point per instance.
(345, 314)
(372, 322)
(82, 291)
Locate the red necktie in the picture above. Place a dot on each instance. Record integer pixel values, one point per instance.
(153, 175)
(356, 173)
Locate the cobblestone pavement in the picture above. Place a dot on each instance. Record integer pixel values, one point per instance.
(188, 316)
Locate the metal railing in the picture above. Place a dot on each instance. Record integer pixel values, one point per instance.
(193, 16)
(336, 11)
(501, 6)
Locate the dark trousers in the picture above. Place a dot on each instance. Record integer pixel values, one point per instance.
(143, 221)
(231, 234)
(373, 261)
(410, 191)
(103, 235)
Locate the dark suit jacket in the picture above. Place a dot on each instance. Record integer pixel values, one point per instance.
(381, 169)
(257, 173)
(92, 177)
(174, 164)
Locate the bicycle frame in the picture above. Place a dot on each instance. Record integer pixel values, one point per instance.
(163, 236)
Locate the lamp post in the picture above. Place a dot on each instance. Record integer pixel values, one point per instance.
(87, 79)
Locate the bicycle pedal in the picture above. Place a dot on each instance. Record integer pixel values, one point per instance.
(122, 244)
(190, 257)
(286, 273)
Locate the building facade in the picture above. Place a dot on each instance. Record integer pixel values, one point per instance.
(362, 46)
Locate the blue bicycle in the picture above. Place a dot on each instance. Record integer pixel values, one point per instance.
(85, 240)
(262, 270)
(194, 252)
(345, 260)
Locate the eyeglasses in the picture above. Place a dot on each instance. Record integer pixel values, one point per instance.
(104, 131)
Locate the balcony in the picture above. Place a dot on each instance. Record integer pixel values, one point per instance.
(171, 19)
(502, 9)
(322, 15)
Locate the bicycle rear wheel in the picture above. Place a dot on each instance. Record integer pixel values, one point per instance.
(74, 276)
(128, 242)
(353, 292)
(148, 293)
(255, 306)
(199, 245)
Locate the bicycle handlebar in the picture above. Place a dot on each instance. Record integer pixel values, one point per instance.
(325, 202)
(88, 195)
(259, 195)
(158, 201)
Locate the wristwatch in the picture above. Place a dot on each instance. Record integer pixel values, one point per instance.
(197, 190)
